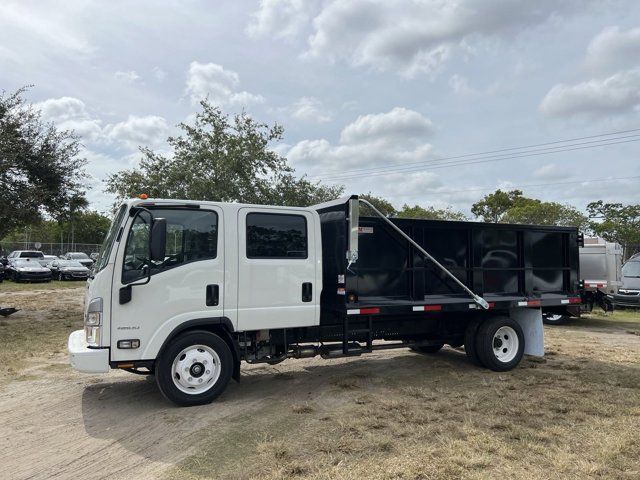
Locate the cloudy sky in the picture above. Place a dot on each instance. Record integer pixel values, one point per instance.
(399, 98)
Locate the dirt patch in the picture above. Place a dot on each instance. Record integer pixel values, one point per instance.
(393, 414)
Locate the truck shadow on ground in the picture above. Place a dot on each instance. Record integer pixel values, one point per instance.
(134, 414)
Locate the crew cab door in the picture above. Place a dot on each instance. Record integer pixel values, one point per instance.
(187, 285)
(277, 266)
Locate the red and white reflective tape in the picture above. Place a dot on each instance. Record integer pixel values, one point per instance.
(363, 311)
(530, 303)
(427, 308)
(595, 283)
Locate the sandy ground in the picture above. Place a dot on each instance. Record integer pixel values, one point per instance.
(56, 423)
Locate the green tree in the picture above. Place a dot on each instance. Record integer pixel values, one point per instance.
(494, 205)
(87, 227)
(536, 212)
(431, 213)
(616, 222)
(41, 172)
(224, 159)
(380, 203)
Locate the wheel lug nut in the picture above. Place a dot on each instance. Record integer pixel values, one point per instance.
(208, 372)
(191, 379)
(199, 380)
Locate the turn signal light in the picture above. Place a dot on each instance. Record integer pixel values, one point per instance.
(143, 196)
(134, 343)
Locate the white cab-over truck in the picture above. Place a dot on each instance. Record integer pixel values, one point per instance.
(186, 290)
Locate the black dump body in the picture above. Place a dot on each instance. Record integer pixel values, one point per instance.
(508, 265)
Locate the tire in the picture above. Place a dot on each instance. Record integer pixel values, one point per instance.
(470, 335)
(183, 363)
(555, 319)
(500, 343)
(429, 349)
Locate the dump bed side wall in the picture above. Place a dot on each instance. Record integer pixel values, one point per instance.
(496, 259)
(489, 258)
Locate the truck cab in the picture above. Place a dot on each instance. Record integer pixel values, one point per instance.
(239, 267)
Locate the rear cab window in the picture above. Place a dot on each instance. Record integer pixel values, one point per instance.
(275, 235)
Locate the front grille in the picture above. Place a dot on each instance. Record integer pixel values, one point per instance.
(624, 291)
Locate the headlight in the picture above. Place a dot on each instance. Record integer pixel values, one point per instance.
(93, 318)
(93, 322)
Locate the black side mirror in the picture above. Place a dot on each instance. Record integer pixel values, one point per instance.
(158, 241)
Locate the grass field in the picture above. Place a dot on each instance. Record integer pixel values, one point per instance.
(573, 414)
(9, 286)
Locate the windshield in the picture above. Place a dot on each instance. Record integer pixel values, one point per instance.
(69, 263)
(109, 239)
(31, 255)
(631, 269)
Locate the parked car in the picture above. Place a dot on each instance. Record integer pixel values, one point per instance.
(47, 259)
(68, 270)
(629, 293)
(25, 254)
(29, 270)
(81, 257)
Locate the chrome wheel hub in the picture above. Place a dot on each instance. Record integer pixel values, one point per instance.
(196, 369)
(505, 344)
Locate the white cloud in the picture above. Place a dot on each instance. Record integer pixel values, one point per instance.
(395, 137)
(397, 125)
(150, 130)
(69, 113)
(129, 76)
(405, 37)
(615, 48)
(460, 85)
(282, 18)
(617, 94)
(219, 85)
(309, 109)
(159, 74)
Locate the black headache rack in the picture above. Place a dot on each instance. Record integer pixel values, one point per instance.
(370, 269)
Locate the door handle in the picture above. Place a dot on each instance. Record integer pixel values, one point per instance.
(213, 295)
(307, 292)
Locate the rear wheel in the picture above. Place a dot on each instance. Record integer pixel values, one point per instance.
(470, 342)
(194, 369)
(554, 318)
(500, 343)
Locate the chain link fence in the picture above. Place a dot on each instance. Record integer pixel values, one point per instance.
(49, 248)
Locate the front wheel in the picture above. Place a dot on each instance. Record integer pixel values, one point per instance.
(194, 369)
(500, 343)
(555, 318)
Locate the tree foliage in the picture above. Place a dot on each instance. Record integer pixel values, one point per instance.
(493, 206)
(380, 203)
(513, 207)
(41, 172)
(220, 158)
(431, 213)
(616, 222)
(82, 227)
(536, 212)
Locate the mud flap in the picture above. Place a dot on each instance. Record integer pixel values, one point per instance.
(530, 320)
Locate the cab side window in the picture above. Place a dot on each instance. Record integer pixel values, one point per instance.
(192, 235)
(272, 235)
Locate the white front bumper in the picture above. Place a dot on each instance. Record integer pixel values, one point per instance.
(85, 359)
